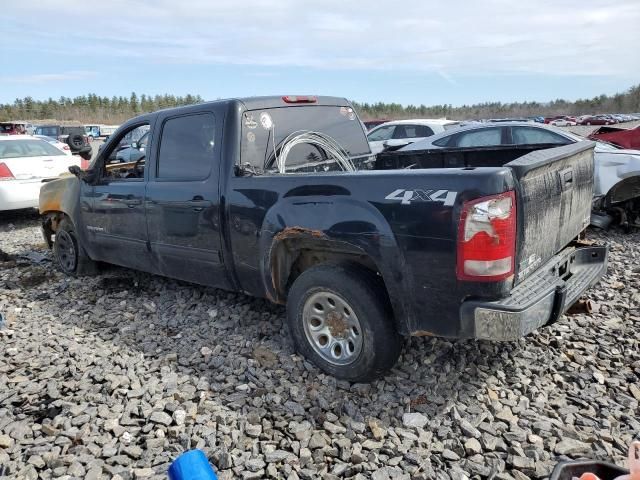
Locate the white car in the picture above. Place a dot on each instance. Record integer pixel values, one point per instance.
(56, 143)
(25, 162)
(562, 122)
(399, 133)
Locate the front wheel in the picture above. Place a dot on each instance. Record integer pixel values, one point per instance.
(340, 320)
(69, 254)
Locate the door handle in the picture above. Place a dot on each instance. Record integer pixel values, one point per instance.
(198, 203)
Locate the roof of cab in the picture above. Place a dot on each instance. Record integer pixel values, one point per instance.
(250, 103)
(275, 101)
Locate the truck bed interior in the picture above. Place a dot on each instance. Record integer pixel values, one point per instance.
(492, 156)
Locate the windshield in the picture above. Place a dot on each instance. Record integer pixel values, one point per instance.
(27, 148)
(264, 130)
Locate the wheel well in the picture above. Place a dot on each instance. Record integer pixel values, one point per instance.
(50, 224)
(290, 257)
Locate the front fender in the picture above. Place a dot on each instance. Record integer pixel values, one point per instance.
(611, 169)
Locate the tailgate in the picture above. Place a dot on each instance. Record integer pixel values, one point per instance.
(554, 201)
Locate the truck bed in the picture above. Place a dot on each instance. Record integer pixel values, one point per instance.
(554, 189)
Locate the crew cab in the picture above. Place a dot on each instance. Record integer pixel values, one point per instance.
(281, 198)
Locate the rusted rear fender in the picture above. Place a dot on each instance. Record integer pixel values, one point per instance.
(346, 227)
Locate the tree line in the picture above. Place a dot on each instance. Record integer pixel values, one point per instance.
(627, 102)
(93, 108)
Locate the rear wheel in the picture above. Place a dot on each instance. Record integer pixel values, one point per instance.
(340, 320)
(69, 254)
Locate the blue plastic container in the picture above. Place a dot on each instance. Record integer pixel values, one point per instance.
(191, 465)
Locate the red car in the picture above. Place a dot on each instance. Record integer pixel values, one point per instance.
(558, 117)
(597, 120)
(12, 128)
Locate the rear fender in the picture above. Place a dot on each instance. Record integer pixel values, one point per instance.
(351, 231)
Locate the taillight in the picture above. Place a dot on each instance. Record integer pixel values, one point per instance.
(5, 173)
(84, 164)
(65, 147)
(299, 99)
(487, 238)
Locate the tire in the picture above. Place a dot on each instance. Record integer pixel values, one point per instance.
(69, 254)
(75, 141)
(361, 343)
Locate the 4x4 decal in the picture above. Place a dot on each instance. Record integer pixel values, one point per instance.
(407, 196)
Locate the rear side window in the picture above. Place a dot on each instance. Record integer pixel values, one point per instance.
(533, 136)
(412, 131)
(485, 137)
(186, 147)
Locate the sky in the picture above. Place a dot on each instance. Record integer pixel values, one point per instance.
(421, 52)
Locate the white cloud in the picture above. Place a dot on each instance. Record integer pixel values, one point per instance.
(49, 77)
(453, 38)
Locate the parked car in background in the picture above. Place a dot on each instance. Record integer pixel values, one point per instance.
(74, 136)
(370, 124)
(25, 162)
(597, 120)
(536, 119)
(403, 132)
(99, 131)
(617, 171)
(501, 120)
(563, 122)
(16, 128)
(56, 143)
(131, 150)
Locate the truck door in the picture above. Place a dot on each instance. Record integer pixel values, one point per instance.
(182, 198)
(115, 222)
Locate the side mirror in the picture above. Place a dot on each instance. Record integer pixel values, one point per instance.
(78, 172)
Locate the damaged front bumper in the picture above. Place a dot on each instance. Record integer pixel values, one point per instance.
(538, 300)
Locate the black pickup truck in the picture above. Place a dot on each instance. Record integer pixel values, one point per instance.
(280, 198)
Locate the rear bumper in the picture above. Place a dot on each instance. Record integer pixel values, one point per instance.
(538, 300)
(16, 194)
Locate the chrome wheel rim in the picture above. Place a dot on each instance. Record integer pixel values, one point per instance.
(65, 251)
(332, 328)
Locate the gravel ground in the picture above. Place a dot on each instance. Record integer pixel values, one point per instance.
(113, 376)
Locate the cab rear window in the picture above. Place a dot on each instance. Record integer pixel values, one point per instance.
(264, 133)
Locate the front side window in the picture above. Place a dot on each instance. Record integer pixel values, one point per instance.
(381, 134)
(126, 160)
(533, 136)
(186, 147)
(485, 137)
